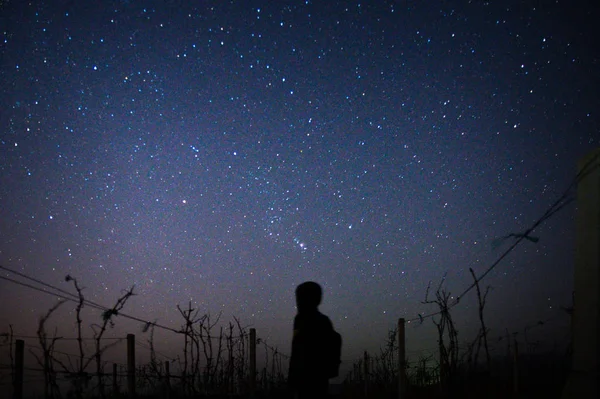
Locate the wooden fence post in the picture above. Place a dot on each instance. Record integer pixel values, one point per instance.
(515, 367)
(115, 386)
(366, 370)
(252, 361)
(19, 362)
(131, 365)
(167, 380)
(402, 388)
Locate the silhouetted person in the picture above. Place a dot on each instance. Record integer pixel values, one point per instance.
(315, 345)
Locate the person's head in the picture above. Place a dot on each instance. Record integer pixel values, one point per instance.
(308, 296)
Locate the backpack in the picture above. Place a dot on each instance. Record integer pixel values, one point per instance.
(334, 353)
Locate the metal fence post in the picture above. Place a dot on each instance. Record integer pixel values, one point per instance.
(167, 379)
(19, 362)
(131, 365)
(402, 388)
(252, 361)
(366, 367)
(515, 367)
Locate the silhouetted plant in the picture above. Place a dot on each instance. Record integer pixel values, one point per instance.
(79, 378)
(448, 350)
(212, 358)
(76, 372)
(483, 332)
(241, 359)
(100, 329)
(422, 374)
(190, 348)
(46, 361)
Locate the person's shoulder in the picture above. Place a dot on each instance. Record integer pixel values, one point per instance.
(325, 320)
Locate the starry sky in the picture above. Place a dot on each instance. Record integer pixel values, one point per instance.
(222, 152)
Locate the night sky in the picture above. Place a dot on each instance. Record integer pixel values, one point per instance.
(224, 152)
